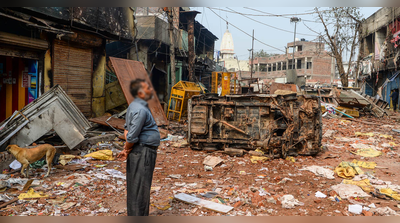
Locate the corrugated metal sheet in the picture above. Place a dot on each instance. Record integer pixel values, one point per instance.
(52, 110)
(72, 70)
(128, 70)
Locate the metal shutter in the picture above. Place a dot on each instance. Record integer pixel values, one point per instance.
(72, 70)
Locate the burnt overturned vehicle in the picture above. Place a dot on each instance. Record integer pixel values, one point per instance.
(279, 125)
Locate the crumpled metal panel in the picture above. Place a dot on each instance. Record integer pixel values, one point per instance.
(128, 70)
(53, 110)
(280, 125)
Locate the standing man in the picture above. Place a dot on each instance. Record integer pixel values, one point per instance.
(142, 140)
(395, 98)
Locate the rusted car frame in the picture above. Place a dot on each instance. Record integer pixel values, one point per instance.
(280, 125)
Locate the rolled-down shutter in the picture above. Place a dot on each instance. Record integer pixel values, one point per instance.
(72, 70)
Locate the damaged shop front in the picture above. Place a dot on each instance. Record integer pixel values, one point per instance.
(280, 125)
(41, 47)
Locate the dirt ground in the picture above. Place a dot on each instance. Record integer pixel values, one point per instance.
(250, 188)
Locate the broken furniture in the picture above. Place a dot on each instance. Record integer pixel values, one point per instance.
(52, 110)
(280, 125)
(180, 93)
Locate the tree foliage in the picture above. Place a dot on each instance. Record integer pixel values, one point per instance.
(262, 53)
(341, 33)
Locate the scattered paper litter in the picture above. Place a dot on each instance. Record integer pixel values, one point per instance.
(355, 208)
(212, 161)
(319, 194)
(288, 201)
(346, 191)
(320, 171)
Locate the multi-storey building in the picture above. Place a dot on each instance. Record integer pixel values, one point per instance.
(310, 60)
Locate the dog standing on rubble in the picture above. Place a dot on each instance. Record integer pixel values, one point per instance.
(28, 156)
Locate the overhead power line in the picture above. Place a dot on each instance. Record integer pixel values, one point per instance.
(245, 32)
(282, 16)
(271, 26)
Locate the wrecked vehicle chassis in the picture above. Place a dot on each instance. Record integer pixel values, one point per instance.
(280, 125)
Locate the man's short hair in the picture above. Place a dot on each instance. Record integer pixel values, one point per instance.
(135, 86)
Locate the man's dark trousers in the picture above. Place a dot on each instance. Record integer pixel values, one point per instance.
(139, 174)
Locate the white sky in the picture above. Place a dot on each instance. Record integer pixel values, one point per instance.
(271, 36)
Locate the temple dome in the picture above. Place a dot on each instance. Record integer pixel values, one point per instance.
(227, 46)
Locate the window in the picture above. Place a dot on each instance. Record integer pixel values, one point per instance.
(263, 67)
(269, 67)
(284, 66)
(299, 48)
(309, 65)
(274, 67)
(299, 64)
(279, 66)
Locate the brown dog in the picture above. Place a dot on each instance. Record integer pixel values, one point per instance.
(29, 156)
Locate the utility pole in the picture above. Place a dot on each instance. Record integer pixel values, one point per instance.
(172, 44)
(295, 20)
(291, 75)
(190, 15)
(252, 60)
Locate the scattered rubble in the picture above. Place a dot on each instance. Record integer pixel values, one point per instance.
(239, 182)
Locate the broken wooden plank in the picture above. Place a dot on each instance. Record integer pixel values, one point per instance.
(119, 124)
(114, 122)
(233, 152)
(203, 203)
(8, 203)
(27, 185)
(70, 167)
(256, 153)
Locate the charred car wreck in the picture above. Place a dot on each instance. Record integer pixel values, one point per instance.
(280, 125)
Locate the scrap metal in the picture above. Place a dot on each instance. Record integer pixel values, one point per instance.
(128, 70)
(53, 110)
(280, 125)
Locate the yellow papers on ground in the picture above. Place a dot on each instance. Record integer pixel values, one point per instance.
(386, 136)
(364, 184)
(101, 155)
(31, 194)
(368, 152)
(255, 159)
(370, 134)
(389, 192)
(348, 170)
(364, 164)
(291, 158)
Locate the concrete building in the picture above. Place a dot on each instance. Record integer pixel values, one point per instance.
(310, 60)
(380, 51)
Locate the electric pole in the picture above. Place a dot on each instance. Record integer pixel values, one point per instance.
(252, 60)
(291, 75)
(172, 44)
(295, 20)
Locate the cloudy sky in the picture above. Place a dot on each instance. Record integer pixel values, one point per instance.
(271, 26)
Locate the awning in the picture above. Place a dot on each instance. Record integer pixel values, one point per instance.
(128, 70)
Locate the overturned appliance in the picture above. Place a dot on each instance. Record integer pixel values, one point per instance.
(280, 125)
(53, 110)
